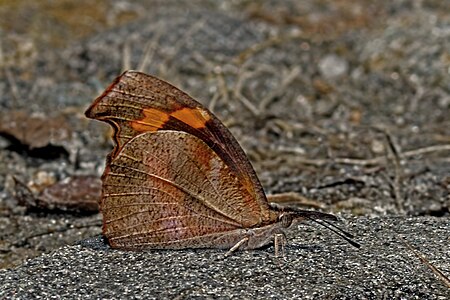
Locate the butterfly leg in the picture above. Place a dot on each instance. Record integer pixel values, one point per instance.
(235, 247)
(279, 241)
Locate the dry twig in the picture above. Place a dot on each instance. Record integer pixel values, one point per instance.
(13, 84)
(379, 160)
(285, 82)
(294, 199)
(166, 66)
(150, 48)
(126, 56)
(398, 171)
(434, 269)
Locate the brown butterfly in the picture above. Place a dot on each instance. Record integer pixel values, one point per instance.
(177, 178)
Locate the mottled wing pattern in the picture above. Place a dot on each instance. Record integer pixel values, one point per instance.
(136, 102)
(168, 189)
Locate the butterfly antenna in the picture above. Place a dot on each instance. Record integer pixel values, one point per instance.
(315, 216)
(340, 232)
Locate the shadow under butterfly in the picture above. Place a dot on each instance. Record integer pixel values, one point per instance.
(177, 178)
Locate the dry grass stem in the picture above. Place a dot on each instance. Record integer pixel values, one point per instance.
(434, 269)
(285, 82)
(13, 84)
(166, 67)
(150, 48)
(294, 198)
(380, 160)
(126, 56)
(398, 171)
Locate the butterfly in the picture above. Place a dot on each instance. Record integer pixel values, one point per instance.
(177, 178)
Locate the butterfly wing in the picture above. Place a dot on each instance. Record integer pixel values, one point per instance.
(136, 102)
(170, 190)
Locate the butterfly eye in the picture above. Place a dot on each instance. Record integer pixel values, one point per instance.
(286, 219)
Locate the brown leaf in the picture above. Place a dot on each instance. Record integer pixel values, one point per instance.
(37, 135)
(77, 194)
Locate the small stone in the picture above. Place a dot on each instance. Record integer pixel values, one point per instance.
(332, 66)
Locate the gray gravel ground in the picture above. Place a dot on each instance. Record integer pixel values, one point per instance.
(317, 265)
(318, 93)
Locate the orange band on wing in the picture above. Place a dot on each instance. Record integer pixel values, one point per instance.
(194, 117)
(153, 120)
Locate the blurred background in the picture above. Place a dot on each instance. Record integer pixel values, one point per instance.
(345, 102)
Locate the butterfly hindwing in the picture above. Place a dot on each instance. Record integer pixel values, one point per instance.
(168, 189)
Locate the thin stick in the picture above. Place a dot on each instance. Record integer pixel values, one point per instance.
(398, 171)
(223, 89)
(422, 258)
(238, 94)
(126, 56)
(286, 81)
(255, 48)
(294, 198)
(166, 65)
(363, 162)
(12, 83)
(150, 50)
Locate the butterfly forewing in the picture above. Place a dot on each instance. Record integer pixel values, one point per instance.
(135, 103)
(168, 189)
